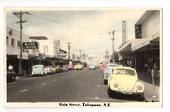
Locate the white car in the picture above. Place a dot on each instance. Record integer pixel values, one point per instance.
(92, 67)
(108, 71)
(38, 70)
(125, 80)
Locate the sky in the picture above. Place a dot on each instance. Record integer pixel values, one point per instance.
(86, 29)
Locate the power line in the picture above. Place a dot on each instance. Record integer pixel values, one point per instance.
(59, 22)
(68, 50)
(44, 18)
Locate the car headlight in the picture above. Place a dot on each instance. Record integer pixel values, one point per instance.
(115, 85)
(139, 86)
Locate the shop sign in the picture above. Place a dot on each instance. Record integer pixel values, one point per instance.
(30, 45)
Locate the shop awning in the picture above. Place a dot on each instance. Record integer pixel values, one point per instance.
(139, 43)
(126, 48)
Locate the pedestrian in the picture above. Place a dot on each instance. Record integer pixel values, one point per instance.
(146, 68)
(10, 67)
(153, 71)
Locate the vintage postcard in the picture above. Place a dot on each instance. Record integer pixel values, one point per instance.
(83, 57)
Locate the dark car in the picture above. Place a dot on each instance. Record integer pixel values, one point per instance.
(11, 76)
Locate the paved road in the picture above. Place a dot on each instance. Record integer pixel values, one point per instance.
(72, 86)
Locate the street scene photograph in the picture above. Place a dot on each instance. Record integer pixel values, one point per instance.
(83, 55)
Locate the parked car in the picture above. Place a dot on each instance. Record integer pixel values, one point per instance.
(70, 67)
(38, 70)
(92, 67)
(49, 69)
(124, 80)
(108, 71)
(53, 69)
(11, 75)
(58, 68)
(78, 67)
(65, 68)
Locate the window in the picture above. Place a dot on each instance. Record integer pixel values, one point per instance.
(10, 32)
(13, 42)
(45, 49)
(125, 72)
(27, 51)
(7, 40)
(18, 44)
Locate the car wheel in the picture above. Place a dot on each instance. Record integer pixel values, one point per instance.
(141, 96)
(105, 81)
(44, 74)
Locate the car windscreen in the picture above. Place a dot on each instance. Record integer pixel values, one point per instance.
(124, 72)
(109, 69)
(38, 67)
(112, 65)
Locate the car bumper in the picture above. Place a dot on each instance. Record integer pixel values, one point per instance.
(37, 74)
(127, 92)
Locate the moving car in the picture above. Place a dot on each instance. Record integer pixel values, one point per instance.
(11, 76)
(92, 67)
(108, 71)
(38, 70)
(124, 80)
(78, 67)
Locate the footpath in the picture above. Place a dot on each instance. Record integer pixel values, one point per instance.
(18, 77)
(150, 89)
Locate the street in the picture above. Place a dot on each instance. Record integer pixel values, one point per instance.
(72, 86)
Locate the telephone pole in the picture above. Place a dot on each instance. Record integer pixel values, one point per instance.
(68, 50)
(21, 21)
(80, 54)
(113, 58)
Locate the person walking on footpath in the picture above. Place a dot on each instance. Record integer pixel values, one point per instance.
(10, 67)
(153, 71)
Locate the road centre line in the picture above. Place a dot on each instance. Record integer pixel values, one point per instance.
(43, 84)
(23, 91)
(98, 86)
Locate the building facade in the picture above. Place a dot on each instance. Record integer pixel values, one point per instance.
(143, 51)
(13, 44)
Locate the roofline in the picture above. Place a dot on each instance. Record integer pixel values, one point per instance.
(145, 16)
(38, 37)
